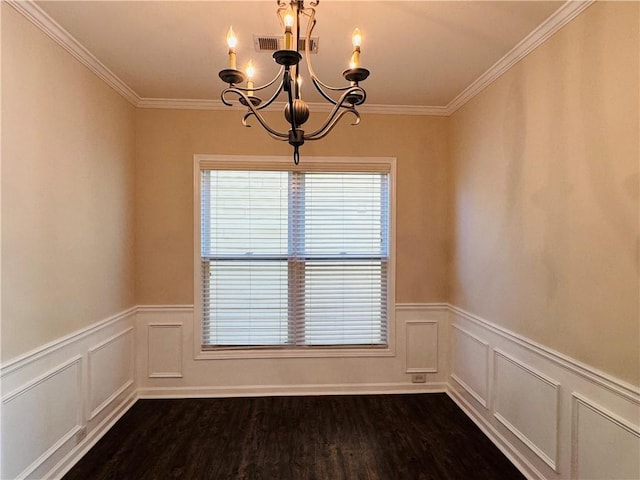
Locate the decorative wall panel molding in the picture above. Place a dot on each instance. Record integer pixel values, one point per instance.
(507, 384)
(565, 362)
(605, 445)
(65, 395)
(165, 350)
(526, 402)
(470, 364)
(21, 362)
(111, 370)
(42, 415)
(422, 346)
(166, 369)
(538, 413)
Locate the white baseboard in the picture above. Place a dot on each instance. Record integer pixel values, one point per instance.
(90, 440)
(512, 453)
(288, 390)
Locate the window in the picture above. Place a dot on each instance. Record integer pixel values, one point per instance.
(293, 257)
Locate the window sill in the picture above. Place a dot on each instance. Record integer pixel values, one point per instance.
(230, 354)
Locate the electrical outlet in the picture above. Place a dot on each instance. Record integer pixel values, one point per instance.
(419, 378)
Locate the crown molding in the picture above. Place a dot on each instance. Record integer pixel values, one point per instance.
(551, 25)
(182, 104)
(567, 12)
(404, 110)
(203, 104)
(53, 29)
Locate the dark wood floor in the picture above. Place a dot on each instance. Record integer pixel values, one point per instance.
(331, 437)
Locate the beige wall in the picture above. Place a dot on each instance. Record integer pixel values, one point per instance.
(546, 194)
(543, 193)
(67, 192)
(167, 140)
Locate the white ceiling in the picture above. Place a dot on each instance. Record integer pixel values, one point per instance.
(421, 53)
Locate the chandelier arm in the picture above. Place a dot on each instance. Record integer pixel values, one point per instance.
(315, 82)
(228, 90)
(358, 89)
(296, 84)
(320, 86)
(273, 97)
(283, 5)
(337, 113)
(332, 121)
(224, 100)
(274, 133)
(280, 136)
(355, 95)
(262, 87)
(263, 105)
(311, 23)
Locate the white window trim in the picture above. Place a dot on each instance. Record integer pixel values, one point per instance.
(207, 161)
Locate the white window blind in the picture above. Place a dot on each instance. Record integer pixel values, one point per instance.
(294, 258)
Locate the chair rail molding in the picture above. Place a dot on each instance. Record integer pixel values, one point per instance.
(546, 411)
(104, 368)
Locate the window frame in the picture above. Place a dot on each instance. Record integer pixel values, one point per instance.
(322, 164)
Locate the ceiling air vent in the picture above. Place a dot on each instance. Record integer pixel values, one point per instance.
(271, 43)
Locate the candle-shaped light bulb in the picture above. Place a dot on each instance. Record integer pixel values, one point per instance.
(356, 39)
(288, 19)
(288, 24)
(251, 71)
(232, 41)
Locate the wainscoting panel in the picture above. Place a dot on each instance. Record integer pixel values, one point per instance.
(470, 365)
(165, 350)
(526, 402)
(111, 370)
(43, 415)
(554, 417)
(422, 346)
(62, 397)
(606, 446)
(170, 363)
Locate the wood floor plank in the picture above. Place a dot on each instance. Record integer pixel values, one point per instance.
(368, 437)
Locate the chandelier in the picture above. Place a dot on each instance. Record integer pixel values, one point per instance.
(288, 79)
